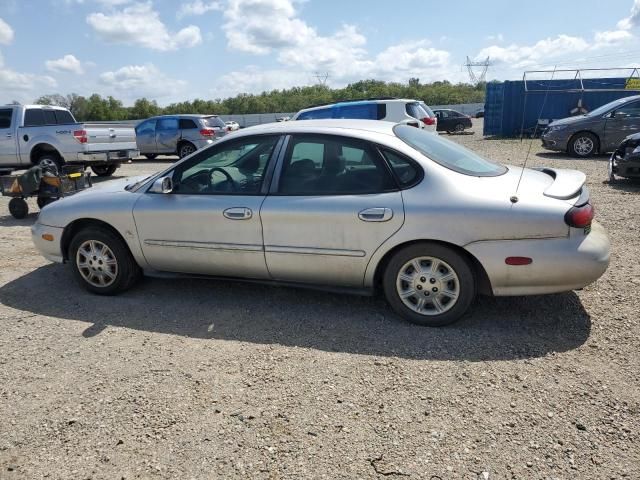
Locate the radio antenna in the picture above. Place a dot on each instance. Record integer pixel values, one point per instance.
(514, 198)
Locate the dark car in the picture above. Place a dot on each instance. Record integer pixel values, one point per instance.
(451, 121)
(599, 131)
(625, 160)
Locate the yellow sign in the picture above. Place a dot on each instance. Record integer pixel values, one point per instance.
(632, 84)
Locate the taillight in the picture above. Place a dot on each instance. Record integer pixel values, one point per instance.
(429, 120)
(580, 217)
(208, 132)
(80, 136)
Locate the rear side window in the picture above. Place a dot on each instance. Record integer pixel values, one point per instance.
(408, 173)
(33, 117)
(213, 121)
(5, 117)
(317, 114)
(64, 118)
(365, 111)
(49, 117)
(186, 124)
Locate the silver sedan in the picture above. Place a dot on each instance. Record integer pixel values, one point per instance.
(361, 205)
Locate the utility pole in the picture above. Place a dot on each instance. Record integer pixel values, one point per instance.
(322, 78)
(475, 79)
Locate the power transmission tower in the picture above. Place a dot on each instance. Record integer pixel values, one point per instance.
(475, 79)
(322, 78)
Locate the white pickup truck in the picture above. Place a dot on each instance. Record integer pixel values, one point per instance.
(50, 136)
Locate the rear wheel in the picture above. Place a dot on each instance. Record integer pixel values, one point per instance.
(150, 156)
(104, 170)
(50, 162)
(459, 128)
(583, 144)
(102, 262)
(18, 208)
(429, 284)
(185, 149)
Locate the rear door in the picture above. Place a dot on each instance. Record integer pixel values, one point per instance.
(167, 135)
(332, 205)
(622, 122)
(8, 151)
(146, 136)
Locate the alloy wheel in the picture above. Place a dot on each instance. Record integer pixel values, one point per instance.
(96, 263)
(583, 146)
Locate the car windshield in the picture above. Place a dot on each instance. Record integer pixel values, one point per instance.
(605, 108)
(447, 153)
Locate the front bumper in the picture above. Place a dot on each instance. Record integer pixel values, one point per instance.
(49, 249)
(559, 264)
(107, 157)
(552, 141)
(627, 167)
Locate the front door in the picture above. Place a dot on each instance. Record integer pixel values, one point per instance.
(8, 153)
(334, 203)
(210, 223)
(167, 135)
(621, 123)
(146, 136)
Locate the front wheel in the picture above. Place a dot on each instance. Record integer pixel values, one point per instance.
(583, 145)
(429, 284)
(104, 170)
(102, 262)
(51, 163)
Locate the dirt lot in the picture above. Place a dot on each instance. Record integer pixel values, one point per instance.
(210, 379)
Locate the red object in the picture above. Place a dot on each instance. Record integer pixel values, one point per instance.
(80, 136)
(429, 120)
(208, 132)
(580, 217)
(518, 261)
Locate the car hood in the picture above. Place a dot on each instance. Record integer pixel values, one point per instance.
(570, 120)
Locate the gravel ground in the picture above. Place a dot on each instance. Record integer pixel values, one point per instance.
(210, 379)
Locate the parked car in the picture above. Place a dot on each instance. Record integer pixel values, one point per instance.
(178, 134)
(410, 112)
(49, 136)
(353, 204)
(283, 119)
(232, 126)
(598, 131)
(451, 121)
(625, 160)
(479, 114)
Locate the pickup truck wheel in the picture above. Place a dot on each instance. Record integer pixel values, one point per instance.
(18, 208)
(104, 170)
(51, 162)
(150, 156)
(186, 149)
(101, 261)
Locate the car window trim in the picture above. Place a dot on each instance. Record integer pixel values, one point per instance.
(273, 191)
(396, 179)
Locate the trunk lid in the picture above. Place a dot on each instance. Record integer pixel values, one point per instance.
(109, 137)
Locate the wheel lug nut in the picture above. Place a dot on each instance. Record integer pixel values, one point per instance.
(419, 287)
(422, 279)
(426, 294)
(434, 289)
(432, 280)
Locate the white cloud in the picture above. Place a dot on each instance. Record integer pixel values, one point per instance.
(139, 24)
(198, 7)
(108, 3)
(6, 33)
(611, 38)
(141, 81)
(633, 20)
(496, 38)
(68, 63)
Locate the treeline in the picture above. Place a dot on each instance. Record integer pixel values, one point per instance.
(98, 108)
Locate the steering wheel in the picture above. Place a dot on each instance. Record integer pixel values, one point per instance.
(234, 185)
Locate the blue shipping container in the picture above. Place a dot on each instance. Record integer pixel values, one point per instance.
(509, 110)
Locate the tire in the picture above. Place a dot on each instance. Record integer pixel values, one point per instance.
(18, 208)
(50, 162)
(123, 271)
(104, 170)
(185, 149)
(453, 275)
(583, 145)
(150, 156)
(459, 128)
(44, 201)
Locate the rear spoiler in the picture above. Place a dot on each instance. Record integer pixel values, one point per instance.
(566, 183)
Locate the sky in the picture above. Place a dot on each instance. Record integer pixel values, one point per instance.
(175, 50)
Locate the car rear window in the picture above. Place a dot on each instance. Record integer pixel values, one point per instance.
(426, 108)
(416, 111)
(447, 153)
(213, 121)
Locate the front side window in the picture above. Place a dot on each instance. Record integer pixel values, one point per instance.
(146, 128)
(447, 153)
(5, 117)
(236, 168)
(167, 124)
(629, 110)
(331, 165)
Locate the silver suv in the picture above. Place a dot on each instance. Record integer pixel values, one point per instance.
(178, 134)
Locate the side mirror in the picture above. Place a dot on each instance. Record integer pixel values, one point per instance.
(162, 185)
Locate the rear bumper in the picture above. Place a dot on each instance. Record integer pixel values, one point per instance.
(48, 249)
(559, 264)
(117, 156)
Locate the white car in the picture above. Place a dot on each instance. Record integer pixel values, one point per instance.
(410, 112)
(232, 126)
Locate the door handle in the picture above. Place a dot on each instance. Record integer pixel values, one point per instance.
(376, 214)
(238, 213)
(8, 135)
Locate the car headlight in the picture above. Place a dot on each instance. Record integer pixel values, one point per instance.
(556, 128)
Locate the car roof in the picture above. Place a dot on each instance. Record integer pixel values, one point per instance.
(52, 107)
(185, 115)
(363, 101)
(338, 125)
